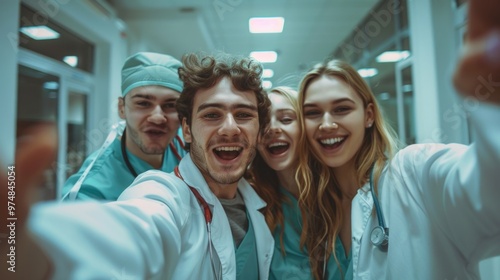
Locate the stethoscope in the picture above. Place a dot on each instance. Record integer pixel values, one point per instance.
(380, 234)
(208, 219)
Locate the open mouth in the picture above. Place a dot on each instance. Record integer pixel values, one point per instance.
(155, 132)
(332, 143)
(228, 152)
(278, 148)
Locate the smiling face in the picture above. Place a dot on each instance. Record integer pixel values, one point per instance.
(278, 147)
(151, 118)
(223, 133)
(335, 120)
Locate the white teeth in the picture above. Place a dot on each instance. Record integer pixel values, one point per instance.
(277, 144)
(331, 141)
(228, 149)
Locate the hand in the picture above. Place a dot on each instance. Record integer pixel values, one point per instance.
(478, 71)
(36, 150)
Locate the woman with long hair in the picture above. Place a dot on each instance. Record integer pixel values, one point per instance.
(439, 201)
(272, 175)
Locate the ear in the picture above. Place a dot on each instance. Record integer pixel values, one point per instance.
(186, 131)
(121, 107)
(369, 115)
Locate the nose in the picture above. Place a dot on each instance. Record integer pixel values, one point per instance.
(157, 116)
(328, 123)
(274, 127)
(229, 126)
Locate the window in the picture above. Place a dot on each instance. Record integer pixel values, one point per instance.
(66, 47)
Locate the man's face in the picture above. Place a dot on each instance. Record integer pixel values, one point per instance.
(151, 119)
(223, 132)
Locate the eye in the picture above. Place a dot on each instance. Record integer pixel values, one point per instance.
(342, 109)
(169, 105)
(287, 120)
(312, 113)
(211, 116)
(142, 103)
(244, 115)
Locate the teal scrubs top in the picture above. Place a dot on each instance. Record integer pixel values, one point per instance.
(110, 176)
(295, 264)
(247, 265)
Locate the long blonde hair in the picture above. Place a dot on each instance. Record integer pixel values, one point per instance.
(320, 195)
(265, 180)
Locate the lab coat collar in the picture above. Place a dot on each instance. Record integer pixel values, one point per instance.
(361, 209)
(193, 178)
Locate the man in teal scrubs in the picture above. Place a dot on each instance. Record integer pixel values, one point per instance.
(152, 138)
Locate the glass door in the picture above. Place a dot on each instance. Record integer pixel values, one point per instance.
(51, 91)
(405, 102)
(38, 100)
(76, 149)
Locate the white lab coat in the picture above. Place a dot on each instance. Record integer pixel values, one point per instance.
(156, 230)
(442, 206)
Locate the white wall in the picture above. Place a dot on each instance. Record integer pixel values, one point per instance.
(9, 22)
(434, 51)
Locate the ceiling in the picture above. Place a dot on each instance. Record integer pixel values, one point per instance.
(313, 28)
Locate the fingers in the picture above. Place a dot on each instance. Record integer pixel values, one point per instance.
(478, 72)
(482, 18)
(35, 153)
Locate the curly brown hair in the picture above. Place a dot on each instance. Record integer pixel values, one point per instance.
(204, 71)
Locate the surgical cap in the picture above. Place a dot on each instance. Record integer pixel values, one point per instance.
(148, 69)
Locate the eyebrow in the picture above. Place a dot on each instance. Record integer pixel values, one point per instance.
(151, 97)
(221, 106)
(286, 111)
(340, 100)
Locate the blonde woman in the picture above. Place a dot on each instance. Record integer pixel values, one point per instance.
(272, 174)
(428, 211)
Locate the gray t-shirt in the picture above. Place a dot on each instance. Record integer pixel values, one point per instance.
(236, 213)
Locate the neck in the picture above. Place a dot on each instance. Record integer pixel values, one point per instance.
(287, 180)
(155, 160)
(224, 191)
(347, 180)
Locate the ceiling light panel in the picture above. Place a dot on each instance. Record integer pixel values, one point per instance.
(41, 32)
(392, 56)
(267, 84)
(264, 56)
(367, 72)
(266, 24)
(267, 73)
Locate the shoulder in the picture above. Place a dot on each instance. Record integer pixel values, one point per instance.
(109, 157)
(158, 185)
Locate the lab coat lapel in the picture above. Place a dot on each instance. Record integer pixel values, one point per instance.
(263, 236)
(361, 209)
(221, 231)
